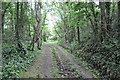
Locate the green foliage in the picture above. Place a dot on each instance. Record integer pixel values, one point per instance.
(104, 57)
(46, 33)
(76, 21)
(15, 61)
(54, 51)
(99, 42)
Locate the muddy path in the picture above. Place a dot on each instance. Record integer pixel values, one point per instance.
(41, 67)
(68, 67)
(67, 58)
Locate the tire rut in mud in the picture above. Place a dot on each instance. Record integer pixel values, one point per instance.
(66, 69)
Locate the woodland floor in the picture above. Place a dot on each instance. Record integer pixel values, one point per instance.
(42, 67)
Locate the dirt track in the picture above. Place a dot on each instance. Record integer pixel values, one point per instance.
(42, 66)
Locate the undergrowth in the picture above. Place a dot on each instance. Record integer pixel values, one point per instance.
(16, 60)
(102, 58)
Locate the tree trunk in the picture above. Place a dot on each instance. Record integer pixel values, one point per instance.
(33, 41)
(17, 24)
(21, 24)
(3, 14)
(37, 29)
(29, 32)
(78, 33)
(95, 21)
(118, 27)
(3, 23)
(108, 16)
(103, 27)
(91, 21)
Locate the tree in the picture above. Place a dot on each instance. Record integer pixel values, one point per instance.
(17, 25)
(37, 29)
(118, 27)
(5, 6)
(108, 22)
(103, 27)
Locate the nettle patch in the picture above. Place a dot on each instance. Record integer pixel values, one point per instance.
(14, 61)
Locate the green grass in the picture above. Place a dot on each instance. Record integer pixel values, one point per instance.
(55, 69)
(54, 51)
(50, 42)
